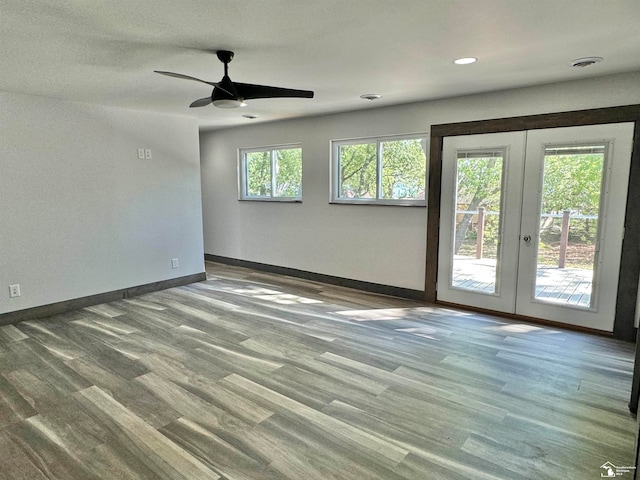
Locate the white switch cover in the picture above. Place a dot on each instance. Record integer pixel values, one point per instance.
(147, 153)
(141, 153)
(14, 291)
(174, 263)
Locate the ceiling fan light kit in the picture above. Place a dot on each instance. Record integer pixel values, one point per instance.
(229, 94)
(228, 103)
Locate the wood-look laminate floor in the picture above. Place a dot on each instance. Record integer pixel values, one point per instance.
(250, 376)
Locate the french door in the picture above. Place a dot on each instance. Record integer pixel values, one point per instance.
(532, 222)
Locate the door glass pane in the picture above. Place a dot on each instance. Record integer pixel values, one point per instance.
(477, 231)
(567, 244)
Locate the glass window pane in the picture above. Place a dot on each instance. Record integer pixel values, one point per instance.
(357, 170)
(477, 226)
(288, 172)
(566, 255)
(404, 165)
(258, 165)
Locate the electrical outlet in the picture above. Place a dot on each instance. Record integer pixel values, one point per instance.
(147, 153)
(141, 154)
(174, 263)
(14, 290)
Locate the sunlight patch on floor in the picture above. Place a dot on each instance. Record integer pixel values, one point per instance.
(517, 328)
(255, 290)
(287, 299)
(377, 314)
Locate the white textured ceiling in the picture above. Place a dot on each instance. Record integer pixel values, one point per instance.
(105, 51)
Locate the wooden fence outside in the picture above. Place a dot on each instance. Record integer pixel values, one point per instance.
(566, 216)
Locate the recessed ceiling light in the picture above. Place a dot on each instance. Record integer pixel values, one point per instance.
(371, 96)
(465, 60)
(585, 61)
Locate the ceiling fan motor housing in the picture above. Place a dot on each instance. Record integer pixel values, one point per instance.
(226, 85)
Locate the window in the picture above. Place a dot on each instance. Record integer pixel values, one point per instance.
(271, 173)
(384, 170)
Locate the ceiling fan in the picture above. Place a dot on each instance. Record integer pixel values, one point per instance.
(229, 94)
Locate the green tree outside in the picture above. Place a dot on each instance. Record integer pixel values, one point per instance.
(479, 184)
(258, 175)
(571, 181)
(287, 174)
(402, 175)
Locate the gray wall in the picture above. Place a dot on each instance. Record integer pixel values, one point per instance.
(80, 214)
(384, 245)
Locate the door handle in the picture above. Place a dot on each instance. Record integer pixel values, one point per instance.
(527, 238)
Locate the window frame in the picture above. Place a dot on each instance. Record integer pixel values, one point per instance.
(243, 174)
(334, 197)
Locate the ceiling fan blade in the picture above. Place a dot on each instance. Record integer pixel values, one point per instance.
(203, 102)
(249, 91)
(185, 77)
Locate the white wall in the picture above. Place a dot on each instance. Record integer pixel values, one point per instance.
(385, 245)
(79, 213)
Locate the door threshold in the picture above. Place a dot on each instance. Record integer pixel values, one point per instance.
(526, 319)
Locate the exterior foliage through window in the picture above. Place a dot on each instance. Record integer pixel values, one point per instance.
(383, 170)
(271, 173)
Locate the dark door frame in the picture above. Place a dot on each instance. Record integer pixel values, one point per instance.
(630, 258)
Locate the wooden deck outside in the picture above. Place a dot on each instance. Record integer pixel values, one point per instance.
(571, 286)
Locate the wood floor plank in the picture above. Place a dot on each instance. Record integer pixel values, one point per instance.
(441, 446)
(255, 376)
(9, 333)
(50, 339)
(561, 441)
(312, 387)
(106, 326)
(19, 462)
(192, 406)
(230, 458)
(13, 406)
(165, 458)
(305, 451)
(127, 392)
(113, 459)
(369, 442)
(46, 451)
(39, 393)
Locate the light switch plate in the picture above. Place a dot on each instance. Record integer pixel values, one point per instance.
(141, 153)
